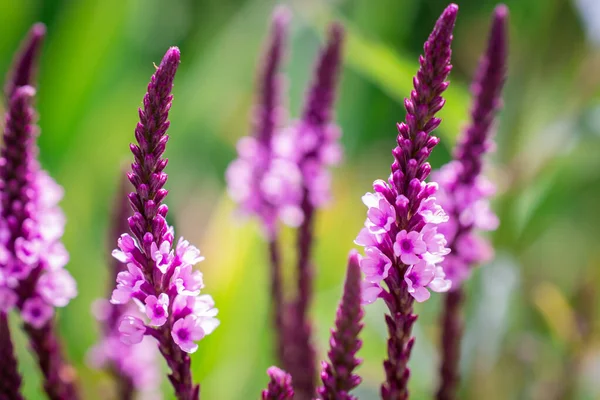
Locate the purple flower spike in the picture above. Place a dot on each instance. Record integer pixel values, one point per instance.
(32, 258)
(134, 367)
(312, 144)
(262, 184)
(24, 64)
(255, 180)
(338, 378)
(159, 274)
(280, 385)
(10, 380)
(464, 194)
(402, 245)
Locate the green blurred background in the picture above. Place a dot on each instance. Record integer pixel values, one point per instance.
(532, 314)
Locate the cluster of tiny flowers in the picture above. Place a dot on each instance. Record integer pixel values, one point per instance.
(137, 362)
(421, 248)
(312, 148)
(264, 185)
(177, 297)
(470, 207)
(38, 251)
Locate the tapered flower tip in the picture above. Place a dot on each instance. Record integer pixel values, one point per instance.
(24, 93)
(23, 67)
(38, 31)
(280, 385)
(445, 23)
(498, 31)
(354, 265)
(501, 12)
(281, 16)
(171, 59)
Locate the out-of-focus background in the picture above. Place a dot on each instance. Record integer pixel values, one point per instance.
(532, 314)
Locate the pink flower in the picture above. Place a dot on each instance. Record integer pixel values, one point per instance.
(132, 329)
(56, 256)
(188, 254)
(370, 292)
(439, 282)
(128, 283)
(417, 277)
(157, 309)
(162, 256)
(8, 299)
(366, 238)
(381, 215)
(186, 331)
(432, 212)
(36, 312)
(187, 281)
(375, 265)
(409, 247)
(57, 287)
(126, 245)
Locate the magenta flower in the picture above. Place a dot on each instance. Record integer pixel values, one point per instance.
(411, 241)
(157, 309)
(262, 184)
(186, 331)
(375, 265)
(135, 367)
(132, 329)
(338, 375)
(159, 274)
(409, 247)
(465, 193)
(314, 143)
(32, 257)
(280, 385)
(381, 214)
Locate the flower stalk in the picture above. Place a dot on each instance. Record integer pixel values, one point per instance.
(464, 193)
(159, 274)
(337, 374)
(403, 248)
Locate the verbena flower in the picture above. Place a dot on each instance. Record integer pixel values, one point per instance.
(32, 257)
(160, 277)
(338, 374)
(263, 184)
(464, 194)
(134, 367)
(280, 385)
(311, 144)
(402, 244)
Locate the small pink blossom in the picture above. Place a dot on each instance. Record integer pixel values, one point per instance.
(157, 309)
(57, 287)
(432, 212)
(381, 215)
(417, 277)
(36, 312)
(162, 256)
(366, 238)
(186, 331)
(375, 265)
(8, 299)
(126, 246)
(188, 254)
(132, 329)
(186, 280)
(409, 246)
(370, 292)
